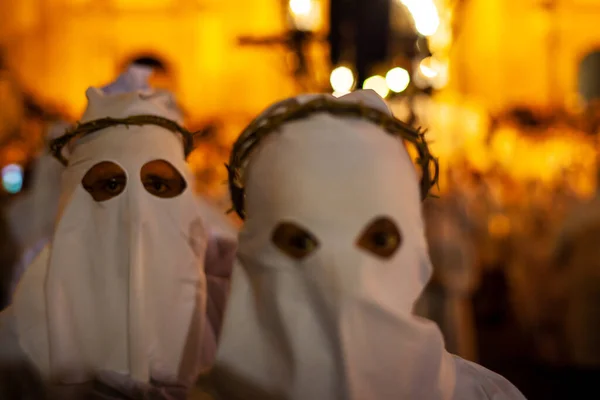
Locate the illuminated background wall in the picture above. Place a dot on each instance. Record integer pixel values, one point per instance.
(486, 57)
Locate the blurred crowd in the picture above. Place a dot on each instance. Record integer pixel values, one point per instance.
(516, 275)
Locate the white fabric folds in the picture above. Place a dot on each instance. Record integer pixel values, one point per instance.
(338, 323)
(122, 286)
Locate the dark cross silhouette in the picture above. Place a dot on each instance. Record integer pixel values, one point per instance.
(294, 40)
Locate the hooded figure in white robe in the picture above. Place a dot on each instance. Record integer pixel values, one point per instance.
(33, 215)
(331, 259)
(118, 301)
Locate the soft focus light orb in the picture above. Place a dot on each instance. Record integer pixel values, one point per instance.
(301, 7)
(306, 14)
(397, 79)
(425, 15)
(12, 178)
(428, 23)
(433, 72)
(428, 67)
(342, 80)
(378, 84)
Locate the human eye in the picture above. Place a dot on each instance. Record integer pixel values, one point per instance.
(161, 179)
(104, 181)
(381, 238)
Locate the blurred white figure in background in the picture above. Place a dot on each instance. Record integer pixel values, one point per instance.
(332, 257)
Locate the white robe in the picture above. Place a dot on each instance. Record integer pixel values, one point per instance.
(338, 323)
(123, 286)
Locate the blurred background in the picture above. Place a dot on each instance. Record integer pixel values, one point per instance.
(508, 90)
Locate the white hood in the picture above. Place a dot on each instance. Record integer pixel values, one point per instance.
(33, 215)
(337, 324)
(124, 283)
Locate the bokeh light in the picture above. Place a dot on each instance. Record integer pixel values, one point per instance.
(425, 15)
(12, 178)
(306, 14)
(428, 67)
(301, 7)
(378, 84)
(342, 80)
(397, 79)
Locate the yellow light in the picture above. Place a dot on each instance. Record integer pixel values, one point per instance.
(378, 84)
(432, 72)
(441, 79)
(301, 7)
(425, 15)
(442, 39)
(342, 80)
(397, 79)
(427, 68)
(306, 14)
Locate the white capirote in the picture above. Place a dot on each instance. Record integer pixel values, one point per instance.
(337, 324)
(32, 216)
(122, 286)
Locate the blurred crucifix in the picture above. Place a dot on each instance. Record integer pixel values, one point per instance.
(302, 18)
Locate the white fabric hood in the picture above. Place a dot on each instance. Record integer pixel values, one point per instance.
(32, 216)
(337, 324)
(124, 283)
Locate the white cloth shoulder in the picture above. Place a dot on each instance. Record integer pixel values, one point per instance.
(476, 382)
(10, 350)
(30, 311)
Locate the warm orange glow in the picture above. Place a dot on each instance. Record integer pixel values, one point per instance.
(544, 158)
(139, 4)
(483, 65)
(14, 155)
(499, 225)
(198, 45)
(62, 48)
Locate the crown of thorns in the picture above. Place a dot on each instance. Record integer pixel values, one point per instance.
(80, 130)
(292, 110)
